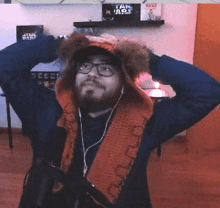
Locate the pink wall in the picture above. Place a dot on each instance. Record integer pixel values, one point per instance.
(175, 38)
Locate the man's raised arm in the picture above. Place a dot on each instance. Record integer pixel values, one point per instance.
(17, 60)
(197, 93)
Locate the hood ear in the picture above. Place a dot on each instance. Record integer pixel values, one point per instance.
(73, 44)
(135, 57)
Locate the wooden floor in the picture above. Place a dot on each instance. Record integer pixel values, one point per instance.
(177, 179)
(13, 166)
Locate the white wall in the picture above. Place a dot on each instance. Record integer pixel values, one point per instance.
(175, 38)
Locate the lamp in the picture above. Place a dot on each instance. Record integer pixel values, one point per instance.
(155, 90)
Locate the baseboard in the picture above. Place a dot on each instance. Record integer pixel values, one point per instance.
(14, 130)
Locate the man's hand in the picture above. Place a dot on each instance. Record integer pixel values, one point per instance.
(144, 76)
(38, 186)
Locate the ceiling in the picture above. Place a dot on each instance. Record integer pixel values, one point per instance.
(111, 1)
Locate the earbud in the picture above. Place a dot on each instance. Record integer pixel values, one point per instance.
(122, 90)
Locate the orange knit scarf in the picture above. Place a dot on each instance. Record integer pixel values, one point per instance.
(119, 148)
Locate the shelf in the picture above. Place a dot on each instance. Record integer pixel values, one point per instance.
(119, 24)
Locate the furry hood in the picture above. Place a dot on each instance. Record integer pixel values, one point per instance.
(134, 55)
(135, 59)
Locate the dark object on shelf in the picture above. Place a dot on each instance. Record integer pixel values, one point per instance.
(89, 31)
(119, 24)
(107, 12)
(28, 32)
(45, 78)
(121, 12)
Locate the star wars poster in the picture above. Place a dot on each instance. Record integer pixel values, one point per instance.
(28, 32)
(121, 12)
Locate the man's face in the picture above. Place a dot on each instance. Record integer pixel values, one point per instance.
(96, 92)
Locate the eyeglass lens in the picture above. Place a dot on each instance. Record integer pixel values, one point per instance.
(103, 69)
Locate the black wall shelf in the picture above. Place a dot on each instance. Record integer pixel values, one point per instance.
(119, 24)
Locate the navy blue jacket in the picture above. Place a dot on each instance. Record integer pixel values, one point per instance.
(197, 93)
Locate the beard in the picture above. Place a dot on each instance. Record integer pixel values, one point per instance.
(89, 103)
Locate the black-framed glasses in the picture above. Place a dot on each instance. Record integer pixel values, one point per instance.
(105, 70)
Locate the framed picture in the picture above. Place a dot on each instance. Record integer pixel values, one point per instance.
(150, 12)
(121, 12)
(28, 32)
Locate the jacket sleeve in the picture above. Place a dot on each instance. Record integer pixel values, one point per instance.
(17, 60)
(197, 93)
(21, 57)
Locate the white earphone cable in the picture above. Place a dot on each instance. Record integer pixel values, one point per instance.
(85, 169)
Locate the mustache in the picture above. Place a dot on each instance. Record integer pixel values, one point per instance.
(92, 81)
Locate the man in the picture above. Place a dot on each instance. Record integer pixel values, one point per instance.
(92, 137)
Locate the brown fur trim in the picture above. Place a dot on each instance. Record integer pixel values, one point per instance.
(135, 57)
(73, 44)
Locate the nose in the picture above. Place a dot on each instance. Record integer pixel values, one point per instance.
(94, 72)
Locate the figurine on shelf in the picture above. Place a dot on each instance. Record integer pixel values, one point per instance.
(108, 13)
(151, 15)
(87, 30)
